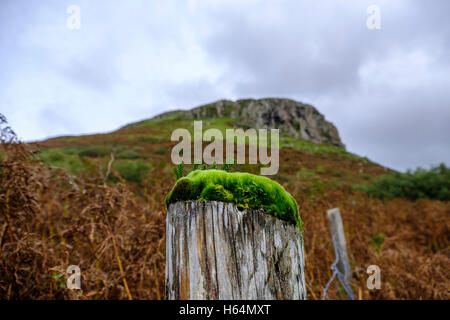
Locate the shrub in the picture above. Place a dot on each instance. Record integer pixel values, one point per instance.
(94, 151)
(433, 184)
(127, 154)
(59, 159)
(44, 214)
(377, 241)
(337, 174)
(103, 151)
(320, 169)
(133, 171)
(161, 150)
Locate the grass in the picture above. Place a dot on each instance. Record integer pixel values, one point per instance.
(144, 138)
(305, 173)
(243, 189)
(154, 122)
(315, 148)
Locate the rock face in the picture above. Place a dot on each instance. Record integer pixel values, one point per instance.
(298, 120)
(215, 251)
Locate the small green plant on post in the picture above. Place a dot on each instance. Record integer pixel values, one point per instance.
(178, 170)
(228, 167)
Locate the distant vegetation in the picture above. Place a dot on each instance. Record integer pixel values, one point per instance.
(133, 171)
(98, 151)
(76, 159)
(59, 159)
(421, 183)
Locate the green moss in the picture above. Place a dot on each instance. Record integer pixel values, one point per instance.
(243, 189)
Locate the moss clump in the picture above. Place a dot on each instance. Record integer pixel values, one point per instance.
(243, 189)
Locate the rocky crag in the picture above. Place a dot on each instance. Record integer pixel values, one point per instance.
(293, 118)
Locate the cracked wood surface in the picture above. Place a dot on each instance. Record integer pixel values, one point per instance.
(216, 251)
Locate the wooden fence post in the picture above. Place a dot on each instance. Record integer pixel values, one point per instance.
(216, 251)
(340, 245)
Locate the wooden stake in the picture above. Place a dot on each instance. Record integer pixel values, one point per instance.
(216, 251)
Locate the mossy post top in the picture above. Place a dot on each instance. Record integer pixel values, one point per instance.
(243, 189)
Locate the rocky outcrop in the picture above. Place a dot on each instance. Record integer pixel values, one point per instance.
(293, 118)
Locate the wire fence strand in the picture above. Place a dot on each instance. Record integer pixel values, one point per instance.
(343, 279)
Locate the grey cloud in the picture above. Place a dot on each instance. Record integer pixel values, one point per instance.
(55, 116)
(410, 130)
(388, 120)
(134, 59)
(306, 54)
(190, 94)
(95, 72)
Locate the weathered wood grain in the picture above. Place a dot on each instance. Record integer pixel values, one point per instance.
(338, 236)
(216, 251)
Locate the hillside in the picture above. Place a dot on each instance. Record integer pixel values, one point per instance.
(94, 200)
(149, 140)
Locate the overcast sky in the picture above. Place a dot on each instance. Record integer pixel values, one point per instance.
(386, 90)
